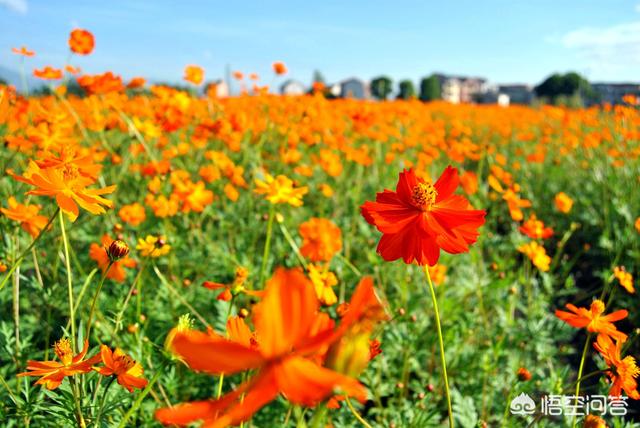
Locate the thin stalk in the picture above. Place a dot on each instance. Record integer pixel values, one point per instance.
(221, 380)
(356, 414)
(582, 359)
(441, 344)
(141, 397)
(126, 300)
(267, 245)
(72, 309)
(102, 400)
(16, 303)
(22, 255)
(95, 298)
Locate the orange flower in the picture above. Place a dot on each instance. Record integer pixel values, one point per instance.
(81, 42)
(321, 239)
(136, 82)
(292, 335)
(537, 254)
(133, 214)
(625, 278)
(593, 421)
(279, 68)
(563, 202)
(535, 229)
(420, 218)
(438, 273)
(127, 371)
(593, 319)
(523, 374)
(27, 215)
(23, 51)
(52, 373)
(194, 74)
(238, 75)
(623, 370)
(68, 186)
(48, 73)
(99, 254)
(101, 83)
(71, 69)
(637, 224)
(280, 190)
(230, 290)
(469, 182)
(323, 281)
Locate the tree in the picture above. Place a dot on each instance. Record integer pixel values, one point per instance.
(559, 88)
(318, 77)
(430, 88)
(407, 90)
(381, 87)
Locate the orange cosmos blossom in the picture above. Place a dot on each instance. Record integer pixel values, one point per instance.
(136, 82)
(593, 319)
(563, 202)
(27, 215)
(537, 254)
(99, 254)
(52, 373)
(637, 224)
(23, 51)
(133, 214)
(625, 278)
(126, 370)
(238, 75)
(280, 190)
(48, 73)
(535, 229)
(292, 335)
(233, 289)
(279, 68)
(321, 239)
(623, 371)
(420, 218)
(194, 74)
(72, 70)
(68, 186)
(81, 42)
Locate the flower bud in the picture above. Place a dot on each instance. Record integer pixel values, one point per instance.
(117, 250)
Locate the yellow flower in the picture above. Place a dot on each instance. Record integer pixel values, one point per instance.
(438, 273)
(280, 190)
(323, 280)
(153, 246)
(536, 254)
(625, 278)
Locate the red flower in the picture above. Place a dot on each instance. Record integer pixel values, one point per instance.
(420, 218)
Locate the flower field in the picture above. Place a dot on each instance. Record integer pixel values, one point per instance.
(173, 257)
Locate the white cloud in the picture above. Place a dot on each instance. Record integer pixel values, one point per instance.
(19, 6)
(607, 49)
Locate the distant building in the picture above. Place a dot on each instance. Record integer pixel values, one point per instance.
(518, 93)
(492, 96)
(354, 88)
(292, 87)
(461, 89)
(612, 93)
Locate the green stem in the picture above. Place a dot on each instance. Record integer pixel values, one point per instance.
(267, 245)
(356, 414)
(102, 401)
(141, 397)
(17, 262)
(441, 343)
(221, 380)
(582, 359)
(126, 300)
(72, 315)
(95, 299)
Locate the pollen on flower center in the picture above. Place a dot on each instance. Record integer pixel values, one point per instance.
(63, 350)
(124, 363)
(70, 172)
(424, 195)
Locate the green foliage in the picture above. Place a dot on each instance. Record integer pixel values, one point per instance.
(407, 90)
(569, 89)
(381, 87)
(430, 88)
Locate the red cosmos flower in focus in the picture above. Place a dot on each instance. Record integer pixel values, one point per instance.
(81, 42)
(292, 338)
(279, 68)
(420, 218)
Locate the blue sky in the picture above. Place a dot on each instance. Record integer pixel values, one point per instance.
(503, 40)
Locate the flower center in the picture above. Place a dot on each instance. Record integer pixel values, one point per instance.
(63, 350)
(123, 363)
(424, 195)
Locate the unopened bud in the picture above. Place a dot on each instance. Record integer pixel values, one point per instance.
(117, 250)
